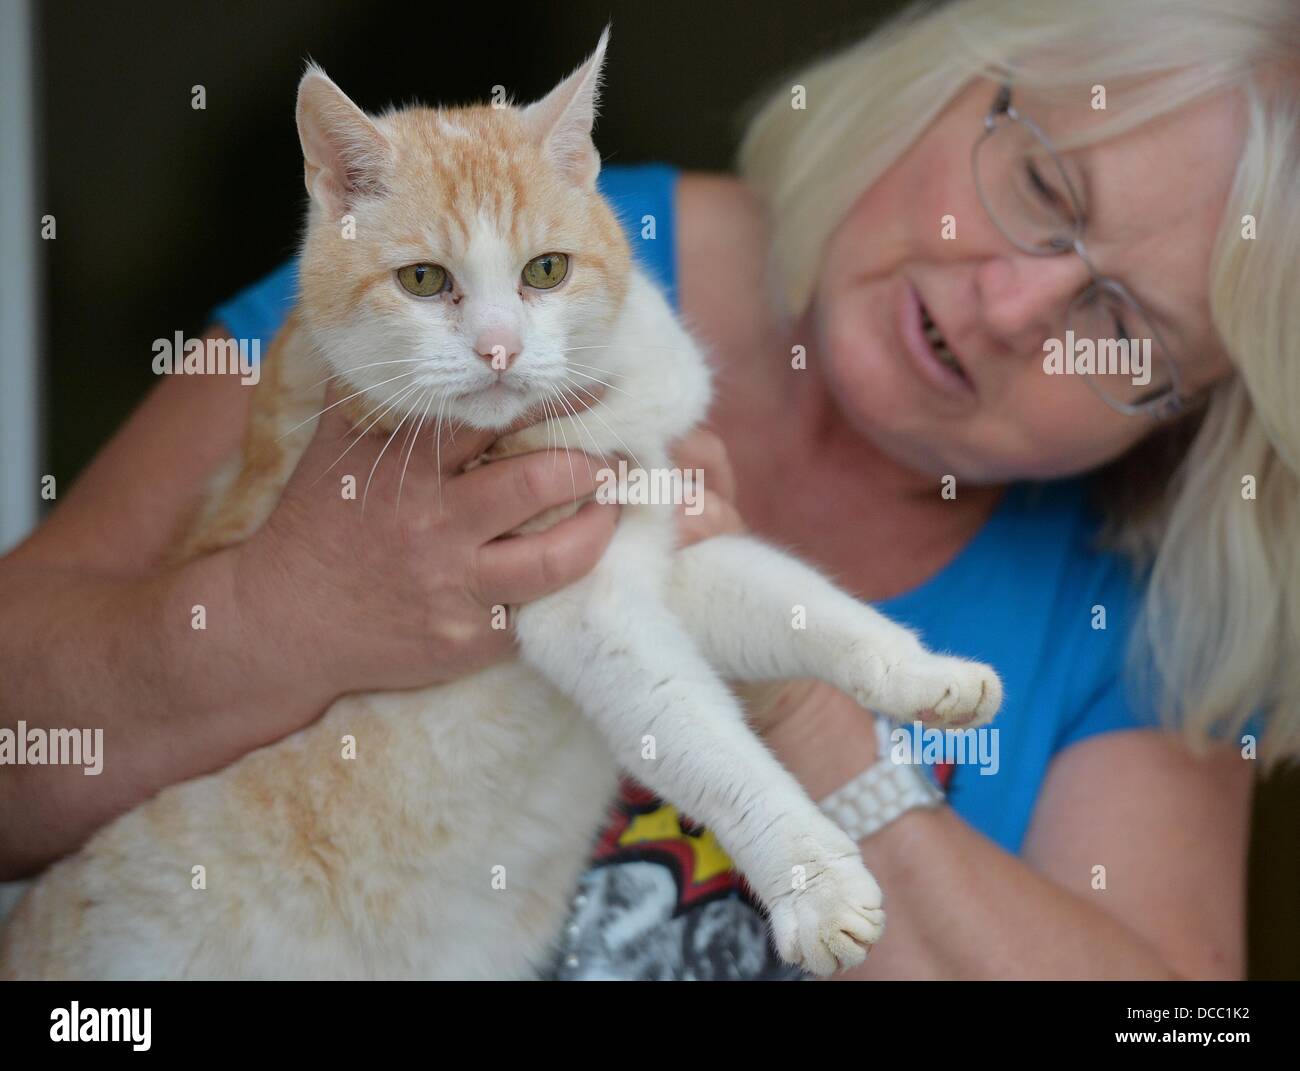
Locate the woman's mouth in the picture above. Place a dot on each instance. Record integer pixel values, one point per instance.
(937, 344)
(929, 350)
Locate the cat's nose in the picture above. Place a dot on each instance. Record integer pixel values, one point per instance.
(499, 347)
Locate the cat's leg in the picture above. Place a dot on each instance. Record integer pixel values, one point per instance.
(759, 614)
(611, 644)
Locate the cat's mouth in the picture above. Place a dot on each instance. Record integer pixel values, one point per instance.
(492, 405)
(498, 389)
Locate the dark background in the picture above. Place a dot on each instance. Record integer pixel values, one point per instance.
(163, 210)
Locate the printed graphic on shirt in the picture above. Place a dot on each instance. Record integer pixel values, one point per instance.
(644, 828)
(661, 901)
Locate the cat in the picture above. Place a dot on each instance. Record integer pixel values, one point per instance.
(447, 848)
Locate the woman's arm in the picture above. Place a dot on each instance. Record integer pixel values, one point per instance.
(1169, 829)
(80, 642)
(95, 631)
(81, 649)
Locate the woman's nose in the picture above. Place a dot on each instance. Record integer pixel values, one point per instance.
(1023, 299)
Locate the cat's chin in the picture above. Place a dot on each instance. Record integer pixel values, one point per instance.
(493, 409)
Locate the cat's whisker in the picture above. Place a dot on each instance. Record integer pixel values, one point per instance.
(401, 392)
(385, 406)
(583, 427)
(592, 367)
(597, 415)
(411, 446)
(546, 419)
(610, 372)
(410, 449)
(597, 379)
(578, 386)
(380, 456)
(363, 367)
(582, 424)
(437, 439)
(560, 424)
(550, 429)
(623, 346)
(555, 424)
(551, 417)
(355, 394)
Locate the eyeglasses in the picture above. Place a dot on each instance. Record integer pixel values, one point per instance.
(1028, 194)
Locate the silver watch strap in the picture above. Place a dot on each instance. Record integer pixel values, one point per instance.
(882, 792)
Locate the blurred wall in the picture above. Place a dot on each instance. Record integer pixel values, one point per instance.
(162, 211)
(20, 401)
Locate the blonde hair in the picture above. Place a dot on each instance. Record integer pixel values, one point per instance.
(1219, 634)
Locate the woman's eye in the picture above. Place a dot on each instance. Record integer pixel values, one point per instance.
(1040, 186)
(423, 280)
(546, 271)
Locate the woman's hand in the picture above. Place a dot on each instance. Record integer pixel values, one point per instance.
(400, 584)
(705, 453)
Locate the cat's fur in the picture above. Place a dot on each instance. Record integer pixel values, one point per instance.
(383, 866)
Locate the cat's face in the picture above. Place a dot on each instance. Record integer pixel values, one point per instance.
(459, 262)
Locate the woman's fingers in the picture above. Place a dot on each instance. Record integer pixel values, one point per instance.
(718, 517)
(519, 569)
(705, 451)
(497, 498)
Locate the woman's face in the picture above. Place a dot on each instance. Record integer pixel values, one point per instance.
(1153, 198)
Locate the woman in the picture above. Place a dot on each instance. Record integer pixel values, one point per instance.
(878, 293)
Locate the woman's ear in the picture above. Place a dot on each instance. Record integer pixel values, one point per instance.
(344, 154)
(562, 120)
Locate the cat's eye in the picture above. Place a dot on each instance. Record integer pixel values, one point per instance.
(547, 271)
(423, 280)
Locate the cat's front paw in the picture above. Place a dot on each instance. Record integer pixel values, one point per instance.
(956, 691)
(829, 922)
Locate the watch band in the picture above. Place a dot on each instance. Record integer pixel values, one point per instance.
(882, 792)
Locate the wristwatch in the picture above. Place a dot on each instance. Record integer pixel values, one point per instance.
(882, 792)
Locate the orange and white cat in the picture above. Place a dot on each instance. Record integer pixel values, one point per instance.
(448, 847)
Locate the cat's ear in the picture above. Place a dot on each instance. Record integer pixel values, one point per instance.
(344, 154)
(562, 120)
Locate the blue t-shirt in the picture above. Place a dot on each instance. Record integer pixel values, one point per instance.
(1027, 595)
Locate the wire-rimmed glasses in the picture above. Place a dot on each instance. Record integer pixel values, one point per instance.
(1028, 194)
